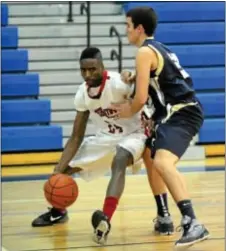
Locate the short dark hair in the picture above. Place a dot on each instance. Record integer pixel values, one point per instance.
(91, 52)
(145, 16)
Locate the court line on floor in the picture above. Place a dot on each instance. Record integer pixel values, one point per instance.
(4, 249)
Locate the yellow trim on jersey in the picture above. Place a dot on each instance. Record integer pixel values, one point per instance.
(160, 60)
(154, 81)
(175, 108)
(155, 84)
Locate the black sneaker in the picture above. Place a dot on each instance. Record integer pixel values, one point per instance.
(50, 218)
(101, 225)
(193, 232)
(164, 225)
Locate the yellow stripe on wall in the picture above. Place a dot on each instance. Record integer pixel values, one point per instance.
(30, 158)
(29, 170)
(214, 150)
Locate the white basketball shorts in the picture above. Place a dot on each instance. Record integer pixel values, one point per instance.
(96, 153)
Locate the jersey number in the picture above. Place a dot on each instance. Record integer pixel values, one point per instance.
(175, 60)
(114, 128)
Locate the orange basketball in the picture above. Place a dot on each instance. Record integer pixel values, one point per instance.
(61, 190)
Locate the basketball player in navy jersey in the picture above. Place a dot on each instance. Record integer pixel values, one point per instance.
(116, 145)
(178, 114)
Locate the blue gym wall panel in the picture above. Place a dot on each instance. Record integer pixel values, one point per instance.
(183, 11)
(200, 55)
(208, 55)
(31, 138)
(9, 37)
(208, 79)
(213, 104)
(14, 61)
(4, 14)
(16, 85)
(212, 131)
(25, 111)
(187, 33)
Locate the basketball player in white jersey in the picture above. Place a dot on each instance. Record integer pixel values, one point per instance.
(116, 145)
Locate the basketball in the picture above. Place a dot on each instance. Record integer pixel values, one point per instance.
(61, 190)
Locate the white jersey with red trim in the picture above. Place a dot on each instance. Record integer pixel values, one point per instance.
(113, 91)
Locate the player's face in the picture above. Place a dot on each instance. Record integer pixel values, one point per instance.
(92, 71)
(132, 33)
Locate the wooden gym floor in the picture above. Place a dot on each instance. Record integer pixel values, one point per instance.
(132, 224)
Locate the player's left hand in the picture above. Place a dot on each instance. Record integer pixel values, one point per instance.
(122, 110)
(128, 77)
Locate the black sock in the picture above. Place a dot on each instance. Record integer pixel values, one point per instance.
(59, 211)
(162, 204)
(186, 208)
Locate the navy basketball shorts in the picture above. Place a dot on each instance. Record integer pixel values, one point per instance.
(177, 132)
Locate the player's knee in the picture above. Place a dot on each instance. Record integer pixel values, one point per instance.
(122, 159)
(160, 164)
(164, 161)
(123, 155)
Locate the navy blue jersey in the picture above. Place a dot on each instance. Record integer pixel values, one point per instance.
(169, 83)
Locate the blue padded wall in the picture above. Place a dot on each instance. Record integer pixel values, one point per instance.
(19, 85)
(4, 14)
(9, 38)
(206, 79)
(213, 104)
(186, 33)
(199, 55)
(14, 61)
(183, 11)
(213, 130)
(31, 138)
(25, 112)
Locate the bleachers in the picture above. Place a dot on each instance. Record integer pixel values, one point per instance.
(4, 14)
(213, 105)
(9, 38)
(31, 138)
(190, 33)
(195, 32)
(20, 112)
(25, 119)
(184, 11)
(212, 131)
(204, 79)
(14, 61)
(20, 85)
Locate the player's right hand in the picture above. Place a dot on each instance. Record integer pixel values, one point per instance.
(56, 170)
(68, 170)
(128, 77)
